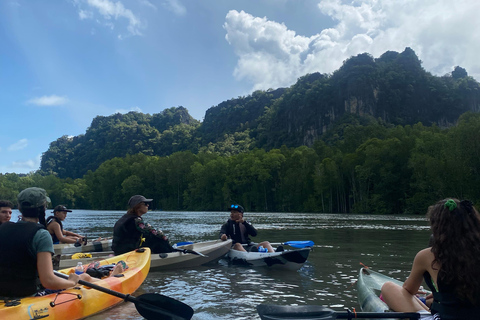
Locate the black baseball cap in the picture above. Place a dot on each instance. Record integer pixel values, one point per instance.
(136, 199)
(61, 208)
(237, 207)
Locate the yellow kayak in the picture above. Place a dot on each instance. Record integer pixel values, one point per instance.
(80, 302)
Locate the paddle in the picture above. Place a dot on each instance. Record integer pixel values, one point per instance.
(296, 244)
(150, 305)
(276, 312)
(190, 251)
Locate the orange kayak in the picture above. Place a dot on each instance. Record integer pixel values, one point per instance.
(80, 302)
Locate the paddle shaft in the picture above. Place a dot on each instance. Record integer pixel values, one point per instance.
(125, 297)
(190, 251)
(377, 315)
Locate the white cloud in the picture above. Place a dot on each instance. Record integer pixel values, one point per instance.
(19, 145)
(111, 12)
(270, 55)
(176, 7)
(25, 166)
(52, 100)
(136, 109)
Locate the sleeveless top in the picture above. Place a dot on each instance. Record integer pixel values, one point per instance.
(18, 265)
(54, 236)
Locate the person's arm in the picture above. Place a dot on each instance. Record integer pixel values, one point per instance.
(250, 229)
(223, 232)
(55, 228)
(146, 229)
(419, 267)
(72, 234)
(48, 279)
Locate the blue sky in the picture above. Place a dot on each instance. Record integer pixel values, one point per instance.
(64, 62)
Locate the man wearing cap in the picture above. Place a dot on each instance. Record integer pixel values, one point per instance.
(5, 211)
(26, 249)
(239, 229)
(131, 232)
(55, 227)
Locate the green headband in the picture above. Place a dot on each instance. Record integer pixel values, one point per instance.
(450, 204)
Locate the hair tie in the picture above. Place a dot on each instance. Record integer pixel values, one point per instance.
(450, 204)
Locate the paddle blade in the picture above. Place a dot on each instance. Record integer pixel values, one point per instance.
(275, 312)
(300, 244)
(157, 306)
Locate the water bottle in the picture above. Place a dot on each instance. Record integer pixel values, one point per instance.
(422, 296)
(262, 249)
(79, 268)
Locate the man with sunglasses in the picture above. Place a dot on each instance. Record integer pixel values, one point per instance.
(239, 231)
(131, 232)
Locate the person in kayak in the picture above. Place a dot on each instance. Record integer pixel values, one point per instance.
(239, 231)
(55, 228)
(26, 249)
(131, 232)
(450, 266)
(5, 211)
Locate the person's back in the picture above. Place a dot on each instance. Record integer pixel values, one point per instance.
(126, 237)
(26, 248)
(18, 266)
(450, 267)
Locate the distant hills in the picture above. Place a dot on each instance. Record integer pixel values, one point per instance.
(393, 89)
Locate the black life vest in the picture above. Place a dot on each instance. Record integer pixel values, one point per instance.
(18, 265)
(126, 237)
(54, 236)
(447, 304)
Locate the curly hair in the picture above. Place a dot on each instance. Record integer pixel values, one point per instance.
(456, 246)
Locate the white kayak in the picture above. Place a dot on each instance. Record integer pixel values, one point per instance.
(288, 259)
(91, 246)
(201, 253)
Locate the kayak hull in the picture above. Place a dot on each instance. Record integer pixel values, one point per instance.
(369, 286)
(288, 259)
(81, 302)
(213, 250)
(91, 246)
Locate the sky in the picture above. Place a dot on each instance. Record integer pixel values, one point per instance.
(64, 62)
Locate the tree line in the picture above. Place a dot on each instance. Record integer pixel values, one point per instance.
(359, 167)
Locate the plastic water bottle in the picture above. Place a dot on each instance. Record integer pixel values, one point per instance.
(262, 249)
(79, 268)
(422, 296)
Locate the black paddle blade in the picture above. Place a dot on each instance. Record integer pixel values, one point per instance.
(154, 306)
(275, 312)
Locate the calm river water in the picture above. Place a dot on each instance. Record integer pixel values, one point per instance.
(342, 242)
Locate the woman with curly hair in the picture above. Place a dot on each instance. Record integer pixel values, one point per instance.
(451, 266)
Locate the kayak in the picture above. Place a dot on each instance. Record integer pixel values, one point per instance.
(369, 285)
(288, 259)
(80, 302)
(211, 251)
(90, 246)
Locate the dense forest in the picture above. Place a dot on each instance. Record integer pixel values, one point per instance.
(378, 136)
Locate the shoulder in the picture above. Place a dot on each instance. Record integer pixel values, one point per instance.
(42, 241)
(424, 258)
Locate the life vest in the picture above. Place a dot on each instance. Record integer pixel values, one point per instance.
(126, 237)
(447, 304)
(54, 236)
(18, 264)
(233, 230)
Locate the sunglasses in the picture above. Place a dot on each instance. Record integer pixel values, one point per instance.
(234, 206)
